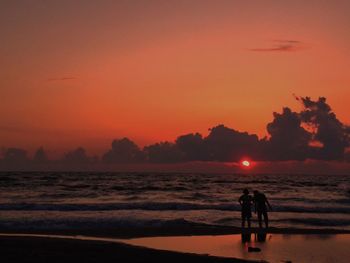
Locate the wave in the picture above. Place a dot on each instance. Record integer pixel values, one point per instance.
(80, 223)
(163, 206)
(316, 221)
(101, 223)
(305, 221)
(313, 201)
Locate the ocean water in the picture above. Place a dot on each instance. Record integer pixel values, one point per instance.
(62, 200)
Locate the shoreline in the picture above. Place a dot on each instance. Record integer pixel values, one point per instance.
(196, 229)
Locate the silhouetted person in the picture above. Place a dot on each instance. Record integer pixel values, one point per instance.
(260, 202)
(246, 201)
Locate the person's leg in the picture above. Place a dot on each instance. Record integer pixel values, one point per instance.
(249, 216)
(243, 220)
(266, 219)
(260, 219)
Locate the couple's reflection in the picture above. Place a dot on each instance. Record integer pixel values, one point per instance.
(258, 237)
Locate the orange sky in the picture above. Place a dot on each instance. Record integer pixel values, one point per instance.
(85, 72)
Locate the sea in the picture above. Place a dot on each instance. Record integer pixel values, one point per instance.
(66, 200)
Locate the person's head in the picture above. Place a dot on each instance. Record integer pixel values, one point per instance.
(245, 191)
(256, 192)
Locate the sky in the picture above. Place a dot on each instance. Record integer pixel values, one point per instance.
(82, 73)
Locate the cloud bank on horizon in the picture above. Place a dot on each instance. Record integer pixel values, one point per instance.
(313, 133)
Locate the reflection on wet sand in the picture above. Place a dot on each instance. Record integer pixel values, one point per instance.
(263, 246)
(260, 237)
(246, 237)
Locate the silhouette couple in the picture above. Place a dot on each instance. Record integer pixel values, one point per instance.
(260, 207)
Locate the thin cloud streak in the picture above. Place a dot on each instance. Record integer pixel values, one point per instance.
(61, 79)
(281, 46)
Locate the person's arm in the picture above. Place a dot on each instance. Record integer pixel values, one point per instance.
(240, 200)
(267, 202)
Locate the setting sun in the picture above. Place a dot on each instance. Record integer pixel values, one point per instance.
(246, 163)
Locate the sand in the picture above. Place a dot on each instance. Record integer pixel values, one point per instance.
(37, 249)
(308, 248)
(174, 244)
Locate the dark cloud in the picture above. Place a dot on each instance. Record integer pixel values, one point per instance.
(77, 156)
(331, 134)
(281, 46)
(222, 144)
(288, 139)
(164, 152)
(313, 133)
(40, 156)
(193, 147)
(227, 145)
(123, 151)
(15, 156)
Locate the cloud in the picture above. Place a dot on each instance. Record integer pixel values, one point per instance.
(61, 79)
(314, 133)
(288, 139)
(280, 45)
(193, 147)
(77, 156)
(227, 145)
(40, 156)
(15, 156)
(164, 152)
(123, 151)
(331, 134)
(222, 144)
(287, 41)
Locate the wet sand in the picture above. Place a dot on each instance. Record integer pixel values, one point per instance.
(308, 248)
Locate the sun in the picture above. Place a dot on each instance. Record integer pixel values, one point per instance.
(245, 163)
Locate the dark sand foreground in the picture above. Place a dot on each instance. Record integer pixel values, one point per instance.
(36, 249)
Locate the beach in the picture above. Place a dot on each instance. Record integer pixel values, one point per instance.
(34, 249)
(98, 245)
(196, 244)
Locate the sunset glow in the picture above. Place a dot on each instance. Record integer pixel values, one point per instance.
(154, 71)
(225, 121)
